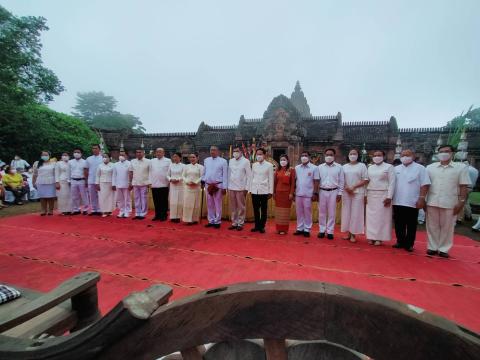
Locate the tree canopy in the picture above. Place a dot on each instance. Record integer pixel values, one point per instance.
(98, 111)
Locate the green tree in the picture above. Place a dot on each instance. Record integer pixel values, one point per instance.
(469, 118)
(117, 121)
(94, 103)
(32, 128)
(23, 78)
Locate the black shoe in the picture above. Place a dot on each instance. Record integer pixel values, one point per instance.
(173, 220)
(262, 231)
(321, 235)
(306, 234)
(155, 219)
(239, 228)
(138, 217)
(443, 255)
(209, 225)
(216, 226)
(330, 236)
(254, 230)
(233, 227)
(409, 249)
(432, 252)
(76, 213)
(85, 213)
(475, 229)
(397, 246)
(298, 232)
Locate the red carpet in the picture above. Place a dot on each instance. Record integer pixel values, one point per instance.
(40, 252)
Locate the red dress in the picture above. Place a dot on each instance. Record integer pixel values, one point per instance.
(284, 186)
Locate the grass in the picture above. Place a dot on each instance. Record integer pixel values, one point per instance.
(475, 197)
(26, 208)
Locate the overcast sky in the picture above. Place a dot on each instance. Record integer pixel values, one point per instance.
(176, 63)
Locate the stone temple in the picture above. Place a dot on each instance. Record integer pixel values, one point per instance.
(287, 126)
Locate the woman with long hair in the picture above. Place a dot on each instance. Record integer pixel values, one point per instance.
(44, 181)
(284, 189)
(175, 195)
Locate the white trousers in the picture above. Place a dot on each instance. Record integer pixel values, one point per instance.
(237, 202)
(303, 208)
(327, 206)
(440, 228)
(353, 213)
(78, 192)
(124, 201)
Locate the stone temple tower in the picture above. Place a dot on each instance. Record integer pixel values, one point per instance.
(300, 101)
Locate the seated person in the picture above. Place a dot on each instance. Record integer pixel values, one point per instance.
(13, 182)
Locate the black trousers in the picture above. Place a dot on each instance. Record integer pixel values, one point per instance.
(160, 200)
(260, 203)
(405, 225)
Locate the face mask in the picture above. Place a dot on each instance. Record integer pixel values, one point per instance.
(328, 159)
(283, 162)
(236, 154)
(45, 157)
(13, 171)
(77, 155)
(353, 157)
(260, 158)
(304, 159)
(377, 159)
(17, 157)
(106, 160)
(121, 158)
(406, 160)
(65, 157)
(443, 156)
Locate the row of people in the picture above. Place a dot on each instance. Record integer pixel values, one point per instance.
(375, 191)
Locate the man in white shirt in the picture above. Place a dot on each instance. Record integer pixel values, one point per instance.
(93, 161)
(139, 182)
(159, 183)
(215, 178)
(446, 198)
(239, 174)
(261, 188)
(19, 164)
(120, 182)
(411, 187)
(78, 182)
(306, 191)
(466, 213)
(332, 183)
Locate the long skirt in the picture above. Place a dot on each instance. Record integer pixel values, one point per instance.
(282, 210)
(353, 213)
(176, 200)
(106, 197)
(46, 191)
(379, 217)
(192, 198)
(64, 199)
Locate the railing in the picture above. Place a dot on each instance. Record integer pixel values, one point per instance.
(366, 123)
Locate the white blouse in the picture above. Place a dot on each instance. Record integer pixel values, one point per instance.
(62, 171)
(382, 177)
(175, 172)
(104, 173)
(192, 173)
(354, 173)
(45, 173)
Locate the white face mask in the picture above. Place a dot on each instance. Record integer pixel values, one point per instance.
(121, 158)
(283, 162)
(45, 157)
(353, 157)
(236, 154)
(329, 159)
(13, 171)
(260, 158)
(443, 156)
(406, 160)
(77, 155)
(65, 157)
(106, 160)
(377, 159)
(304, 159)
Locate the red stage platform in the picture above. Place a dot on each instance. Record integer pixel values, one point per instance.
(40, 252)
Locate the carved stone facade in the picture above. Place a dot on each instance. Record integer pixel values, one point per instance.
(284, 129)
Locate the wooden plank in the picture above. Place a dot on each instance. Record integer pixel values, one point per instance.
(66, 290)
(193, 353)
(275, 349)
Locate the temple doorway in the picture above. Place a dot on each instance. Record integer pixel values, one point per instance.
(277, 153)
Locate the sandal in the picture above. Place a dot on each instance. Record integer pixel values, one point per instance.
(377, 243)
